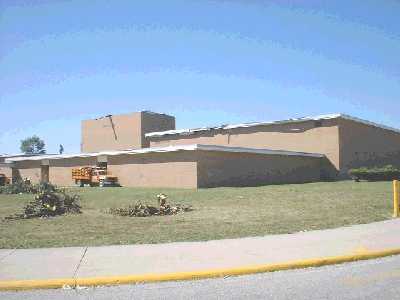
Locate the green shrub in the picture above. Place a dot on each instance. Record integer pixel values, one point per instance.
(385, 173)
(19, 187)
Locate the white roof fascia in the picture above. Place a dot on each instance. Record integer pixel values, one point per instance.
(192, 147)
(256, 151)
(247, 125)
(315, 118)
(21, 155)
(355, 119)
(108, 153)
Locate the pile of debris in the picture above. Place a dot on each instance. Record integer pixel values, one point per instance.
(49, 201)
(142, 210)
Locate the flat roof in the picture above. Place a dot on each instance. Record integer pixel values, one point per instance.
(21, 155)
(254, 124)
(193, 147)
(148, 112)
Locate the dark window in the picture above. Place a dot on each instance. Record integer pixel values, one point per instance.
(102, 164)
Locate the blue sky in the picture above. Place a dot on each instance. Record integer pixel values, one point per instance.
(206, 62)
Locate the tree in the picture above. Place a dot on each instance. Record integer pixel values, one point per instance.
(33, 145)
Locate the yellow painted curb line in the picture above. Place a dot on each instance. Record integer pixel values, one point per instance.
(126, 279)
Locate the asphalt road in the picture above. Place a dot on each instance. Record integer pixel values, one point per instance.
(373, 279)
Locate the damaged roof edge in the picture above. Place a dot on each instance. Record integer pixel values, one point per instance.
(247, 125)
(192, 147)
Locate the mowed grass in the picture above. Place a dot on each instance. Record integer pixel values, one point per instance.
(218, 213)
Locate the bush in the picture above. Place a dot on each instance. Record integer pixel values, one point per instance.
(385, 173)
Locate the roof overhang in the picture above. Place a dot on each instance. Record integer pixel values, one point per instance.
(255, 124)
(194, 147)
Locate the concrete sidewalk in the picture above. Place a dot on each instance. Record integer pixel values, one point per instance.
(85, 262)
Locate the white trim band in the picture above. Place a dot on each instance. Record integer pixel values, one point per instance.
(247, 125)
(193, 147)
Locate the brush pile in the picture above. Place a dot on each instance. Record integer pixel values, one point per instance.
(49, 201)
(143, 210)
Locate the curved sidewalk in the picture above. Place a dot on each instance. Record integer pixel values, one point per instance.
(138, 263)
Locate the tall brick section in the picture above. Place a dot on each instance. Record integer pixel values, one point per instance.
(348, 142)
(121, 132)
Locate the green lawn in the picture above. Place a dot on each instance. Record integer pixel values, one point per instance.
(218, 213)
